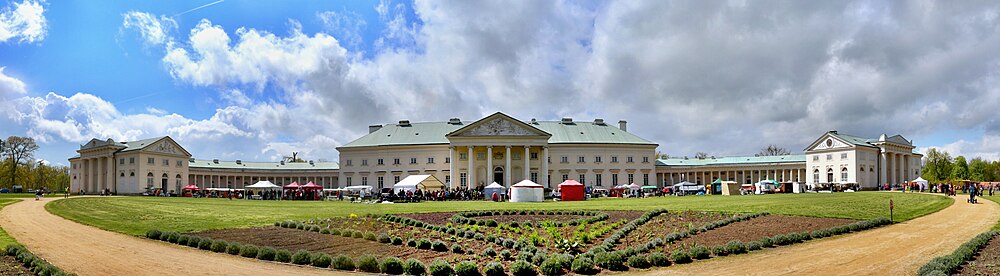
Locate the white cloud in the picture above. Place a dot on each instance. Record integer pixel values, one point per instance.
(154, 30)
(24, 22)
(987, 147)
(10, 87)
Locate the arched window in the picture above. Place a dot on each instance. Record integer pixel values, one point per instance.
(843, 175)
(149, 179)
(816, 176)
(829, 175)
(131, 174)
(123, 175)
(178, 179)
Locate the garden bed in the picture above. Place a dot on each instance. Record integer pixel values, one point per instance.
(757, 228)
(443, 218)
(986, 263)
(665, 224)
(11, 266)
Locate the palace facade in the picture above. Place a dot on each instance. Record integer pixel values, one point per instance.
(496, 148)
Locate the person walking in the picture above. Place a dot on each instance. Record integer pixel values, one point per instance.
(66, 193)
(38, 194)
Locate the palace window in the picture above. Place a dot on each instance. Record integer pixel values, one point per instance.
(395, 179)
(179, 163)
(829, 157)
(581, 159)
(645, 179)
(463, 156)
(815, 157)
(150, 161)
(631, 178)
(364, 162)
(614, 159)
(598, 178)
(380, 162)
(462, 179)
(413, 160)
(121, 161)
(628, 160)
(829, 175)
(381, 182)
(348, 162)
(645, 159)
(565, 177)
(515, 155)
(534, 177)
(166, 162)
(843, 175)
(395, 161)
(843, 156)
(348, 181)
(447, 179)
(614, 179)
(149, 179)
(565, 159)
(534, 156)
(430, 160)
(480, 156)
(583, 178)
(597, 159)
(447, 160)
(364, 181)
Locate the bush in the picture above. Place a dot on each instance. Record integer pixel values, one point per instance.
(493, 269)
(335, 232)
(439, 246)
(370, 236)
(766, 242)
(736, 247)
(249, 251)
(583, 265)
(948, 264)
(414, 267)
(490, 252)
(508, 243)
(522, 268)
(411, 243)
(658, 259)
(325, 231)
(720, 250)
(205, 244)
(301, 257)
(219, 246)
(154, 234)
(384, 238)
(182, 240)
(359, 235)
(424, 244)
(342, 262)
(266, 253)
(283, 256)
(457, 248)
(753, 246)
(234, 248)
(699, 252)
(368, 263)
(173, 237)
(506, 255)
(638, 261)
(321, 259)
(551, 266)
(397, 240)
(680, 257)
(440, 268)
(194, 241)
(467, 268)
(391, 266)
(609, 260)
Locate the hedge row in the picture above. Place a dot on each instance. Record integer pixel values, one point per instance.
(520, 244)
(610, 242)
(37, 265)
(948, 264)
(469, 217)
(437, 245)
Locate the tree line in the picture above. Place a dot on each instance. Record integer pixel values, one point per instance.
(18, 166)
(939, 166)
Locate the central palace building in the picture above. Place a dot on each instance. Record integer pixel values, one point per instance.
(497, 148)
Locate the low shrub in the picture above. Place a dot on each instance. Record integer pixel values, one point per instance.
(335, 232)
(414, 267)
(551, 266)
(490, 252)
(493, 269)
(205, 244)
(301, 257)
(219, 246)
(322, 259)
(948, 264)
(720, 250)
(153, 234)
(457, 248)
(368, 263)
(397, 240)
(609, 260)
(424, 244)
(522, 268)
(359, 235)
(266, 253)
(194, 241)
(249, 251)
(439, 246)
(736, 247)
(325, 231)
(583, 265)
(342, 262)
(234, 248)
(391, 266)
(658, 259)
(370, 236)
(506, 255)
(440, 268)
(283, 256)
(182, 240)
(384, 238)
(753, 246)
(766, 242)
(466, 268)
(525, 256)
(680, 257)
(347, 233)
(411, 243)
(173, 237)
(638, 261)
(699, 252)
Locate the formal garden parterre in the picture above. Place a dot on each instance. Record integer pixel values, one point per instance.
(514, 242)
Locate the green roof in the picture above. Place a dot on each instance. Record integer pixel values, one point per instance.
(430, 133)
(140, 144)
(210, 164)
(736, 160)
(858, 141)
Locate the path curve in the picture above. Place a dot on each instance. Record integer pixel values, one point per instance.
(898, 249)
(86, 250)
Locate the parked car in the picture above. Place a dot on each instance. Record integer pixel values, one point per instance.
(4, 190)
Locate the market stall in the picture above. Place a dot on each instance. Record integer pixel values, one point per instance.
(189, 190)
(527, 191)
(495, 188)
(423, 182)
(571, 190)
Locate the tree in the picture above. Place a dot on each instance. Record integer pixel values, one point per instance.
(661, 155)
(978, 169)
(773, 150)
(294, 158)
(701, 155)
(960, 171)
(937, 165)
(17, 149)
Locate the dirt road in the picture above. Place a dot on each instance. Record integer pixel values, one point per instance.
(898, 249)
(87, 250)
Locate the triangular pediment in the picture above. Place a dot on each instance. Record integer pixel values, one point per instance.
(828, 141)
(898, 139)
(166, 145)
(498, 124)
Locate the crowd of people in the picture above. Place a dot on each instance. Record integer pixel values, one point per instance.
(417, 195)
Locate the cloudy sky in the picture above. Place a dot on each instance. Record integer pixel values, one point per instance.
(256, 80)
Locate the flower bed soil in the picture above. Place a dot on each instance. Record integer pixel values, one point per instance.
(294, 240)
(11, 266)
(986, 263)
(667, 223)
(443, 218)
(757, 228)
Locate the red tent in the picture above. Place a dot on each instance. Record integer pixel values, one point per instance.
(191, 187)
(311, 186)
(294, 185)
(571, 190)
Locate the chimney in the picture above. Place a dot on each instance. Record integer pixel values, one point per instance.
(374, 128)
(404, 123)
(567, 120)
(311, 163)
(533, 121)
(599, 122)
(623, 125)
(282, 162)
(216, 161)
(455, 121)
(238, 162)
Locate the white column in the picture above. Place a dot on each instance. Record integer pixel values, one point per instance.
(451, 166)
(470, 175)
(101, 168)
(489, 165)
(527, 164)
(84, 175)
(882, 169)
(506, 169)
(899, 168)
(545, 166)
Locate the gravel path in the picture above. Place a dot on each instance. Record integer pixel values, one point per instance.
(87, 250)
(898, 249)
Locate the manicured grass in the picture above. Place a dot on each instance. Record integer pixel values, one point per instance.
(996, 199)
(136, 215)
(4, 238)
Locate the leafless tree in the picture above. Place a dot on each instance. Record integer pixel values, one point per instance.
(701, 155)
(773, 150)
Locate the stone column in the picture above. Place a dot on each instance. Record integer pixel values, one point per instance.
(899, 168)
(114, 174)
(506, 169)
(470, 173)
(84, 167)
(527, 164)
(489, 165)
(101, 168)
(545, 166)
(882, 178)
(451, 166)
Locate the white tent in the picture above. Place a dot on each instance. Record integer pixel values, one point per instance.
(494, 188)
(920, 181)
(527, 191)
(424, 182)
(263, 185)
(634, 186)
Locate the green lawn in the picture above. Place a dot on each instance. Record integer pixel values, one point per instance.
(996, 199)
(4, 238)
(136, 215)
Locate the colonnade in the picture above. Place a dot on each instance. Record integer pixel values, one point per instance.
(471, 164)
(742, 176)
(241, 181)
(895, 167)
(96, 174)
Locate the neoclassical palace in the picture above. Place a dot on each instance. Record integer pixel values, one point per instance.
(496, 148)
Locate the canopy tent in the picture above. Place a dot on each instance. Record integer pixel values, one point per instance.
(294, 185)
(766, 186)
(688, 188)
(494, 188)
(717, 181)
(920, 181)
(527, 191)
(312, 186)
(634, 186)
(649, 187)
(191, 187)
(729, 188)
(424, 182)
(571, 190)
(263, 185)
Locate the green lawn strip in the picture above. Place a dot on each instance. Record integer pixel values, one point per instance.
(996, 199)
(6, 239)
(136, 215)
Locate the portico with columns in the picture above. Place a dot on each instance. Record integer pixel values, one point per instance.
(498, 149)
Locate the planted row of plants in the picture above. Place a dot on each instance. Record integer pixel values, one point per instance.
(951, 263)
(678, 235)
(34, 263)
(609, 242)
(520, 244)
(437, 245)
(470, 217)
